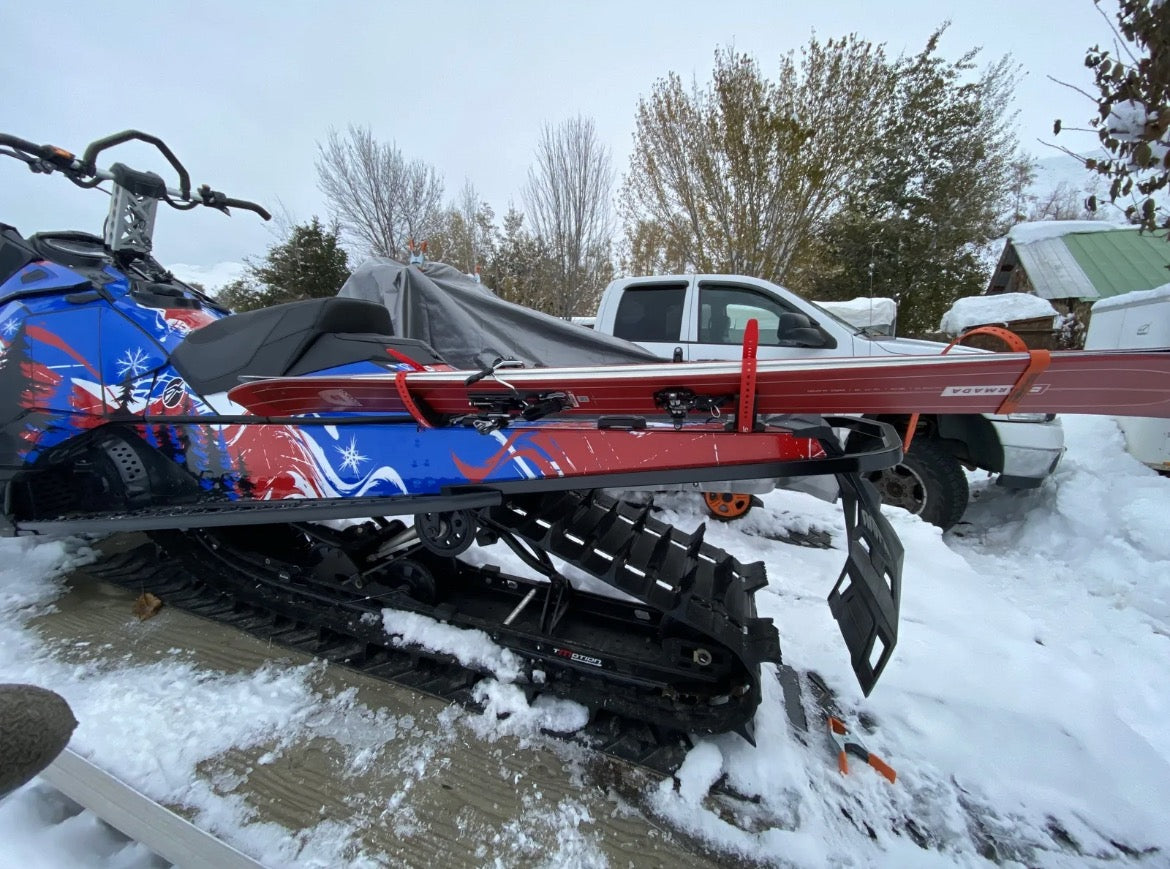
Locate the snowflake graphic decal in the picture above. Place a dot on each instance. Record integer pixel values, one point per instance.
(350, 457)
(10, 326)
(132, 363)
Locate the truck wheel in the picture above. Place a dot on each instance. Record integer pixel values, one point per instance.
(929, 482)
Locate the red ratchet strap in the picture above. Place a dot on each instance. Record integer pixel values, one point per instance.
(404, 359)
(747, 379)
(408, 400)
(1038, 361)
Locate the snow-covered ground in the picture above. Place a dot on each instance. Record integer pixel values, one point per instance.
(1025, 710)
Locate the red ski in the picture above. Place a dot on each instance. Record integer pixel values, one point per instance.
(1112, 382)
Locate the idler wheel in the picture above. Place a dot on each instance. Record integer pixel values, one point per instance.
(447, 534)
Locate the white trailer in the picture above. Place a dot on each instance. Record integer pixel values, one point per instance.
(1138, 320)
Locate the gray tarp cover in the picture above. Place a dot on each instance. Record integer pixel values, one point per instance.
(470, 326)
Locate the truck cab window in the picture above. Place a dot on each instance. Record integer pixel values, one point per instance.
(724, 312)
(649, 314)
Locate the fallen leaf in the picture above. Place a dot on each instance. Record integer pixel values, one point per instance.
(147, 605)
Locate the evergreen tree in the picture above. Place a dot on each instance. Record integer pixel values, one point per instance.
(241, 295)
(520, 269)
(309, 264)
(467, 233)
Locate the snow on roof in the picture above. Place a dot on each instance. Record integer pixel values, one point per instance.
(1137, 297)
(1001, 308)
(863, 311)
(1041, 230)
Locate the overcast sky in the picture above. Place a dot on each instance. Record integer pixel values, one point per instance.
(242, 91)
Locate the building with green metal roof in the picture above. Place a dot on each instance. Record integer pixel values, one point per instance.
(1074, 261)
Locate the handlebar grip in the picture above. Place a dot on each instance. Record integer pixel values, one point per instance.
(21, 144)
(215, 199)
(247, 206)
(57, 157)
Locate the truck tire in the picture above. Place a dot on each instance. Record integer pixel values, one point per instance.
(929, 482)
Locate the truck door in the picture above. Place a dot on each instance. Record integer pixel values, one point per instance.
(651, 314)
(786, 332)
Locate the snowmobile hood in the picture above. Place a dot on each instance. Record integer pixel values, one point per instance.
(470, 326)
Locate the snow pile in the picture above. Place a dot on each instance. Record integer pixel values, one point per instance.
(41, 827)
(506, 709)
(1042, 230)
(997, 309)
(864, 312)
(471, 648)
(1137, 297)
(1025, 708)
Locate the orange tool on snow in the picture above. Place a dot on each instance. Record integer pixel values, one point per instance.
(847, 746)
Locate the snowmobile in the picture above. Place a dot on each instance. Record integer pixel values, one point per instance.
(115, 416)
(130, 401)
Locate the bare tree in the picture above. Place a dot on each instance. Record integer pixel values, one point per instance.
(567, 198)
(379, 200)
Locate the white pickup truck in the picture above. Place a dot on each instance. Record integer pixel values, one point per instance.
(696, 317)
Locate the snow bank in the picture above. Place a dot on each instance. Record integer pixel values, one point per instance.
(1137, 297)
(1025, 702)
(1041, 230)
(1000, 308)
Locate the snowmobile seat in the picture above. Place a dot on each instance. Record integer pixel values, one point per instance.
(290, 339)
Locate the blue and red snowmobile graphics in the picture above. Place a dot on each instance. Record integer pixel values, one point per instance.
(76, 361)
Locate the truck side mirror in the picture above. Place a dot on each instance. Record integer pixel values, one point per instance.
(797, 330)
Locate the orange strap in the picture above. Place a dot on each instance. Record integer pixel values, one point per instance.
(1013, 341)
(1038, 361)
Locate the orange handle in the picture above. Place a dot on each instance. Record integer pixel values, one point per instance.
(882, 767)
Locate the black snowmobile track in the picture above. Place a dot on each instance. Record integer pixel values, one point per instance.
(707, 610)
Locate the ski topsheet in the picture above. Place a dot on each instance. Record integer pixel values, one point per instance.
(1112, 382)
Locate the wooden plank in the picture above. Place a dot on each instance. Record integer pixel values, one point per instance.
(428, 794)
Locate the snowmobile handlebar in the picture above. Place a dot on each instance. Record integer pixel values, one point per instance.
(83, 171)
